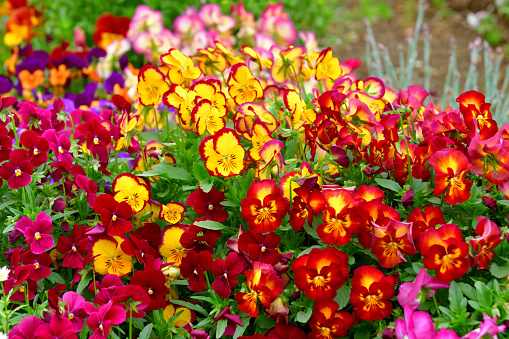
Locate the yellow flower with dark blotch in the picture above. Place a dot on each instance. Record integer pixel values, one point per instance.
(287, 63)
(206, 118)
(151, 85)
(171, 248)
(183, 101)
(242, 85)
(111, 259)
(181, 67)
(172, 212)
(127, 187)
(223, 153)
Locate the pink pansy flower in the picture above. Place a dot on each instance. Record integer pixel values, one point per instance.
(417, 324)
(145, 19)
(212, 16)
(26, 328)
(189, 23)
(88, 186)
(411, 293)
(100, 322)
(56, 328)
(18, 172)
(33, 117)
(74, 310)
(37, 233)
(60, 144)
(445, 333)
(487, 328)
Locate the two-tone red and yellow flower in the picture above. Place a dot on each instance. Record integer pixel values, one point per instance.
(180, 67)
(292, 180)
(320, 273)
(170, 247)
(444, 251)
(327, 322)
(109, 257)
(450, 168)
(263, 284)
(390, 242)
(172, 212)
(371, 293)
(129, 188)
(264, 206)
(243, 86)
(489, 238)
(422, 221)
(490, 158)
(327, 68)
(295, 104)
(151, 85)
(340, 219)
(374, 212)
(476, 113)
(306, 205)
(223, 154)
(287, 63)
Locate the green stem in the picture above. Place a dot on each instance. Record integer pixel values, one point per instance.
(6, 327)
(436, 305)
(130, 324)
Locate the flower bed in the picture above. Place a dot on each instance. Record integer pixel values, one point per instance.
(254, 191)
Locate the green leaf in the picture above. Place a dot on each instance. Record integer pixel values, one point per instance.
(241, 329)
(229, 203)
(485, 298)
(221, 327)
(343, 296)
(85, 279)
(455, 296)
(149, 136)
(200, 172)
(200, 297)
(246, 182)
(56, 278)
(8, 228)
(497, 270)
(10, 202)
(63, 215)
(389, 184)
(145, 333)
(503, 202)
(468, 290)
(304, 316)
(207, 184)
(167, 171)
(210, 225)
(179, 282)
(265, 322)
(190, 306)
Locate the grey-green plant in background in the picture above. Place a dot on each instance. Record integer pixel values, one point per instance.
(495, 80)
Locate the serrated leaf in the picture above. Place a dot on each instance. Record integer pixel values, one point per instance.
(343, 296)
(56, 278)
(145, 333)
(389, 184)
(499, 270)
(210, 225)
(190, 306)
(207, 184)
(221, 327)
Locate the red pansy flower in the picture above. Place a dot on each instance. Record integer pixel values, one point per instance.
(306, 205)
(37, 147)
(153, 281)
(391, 242)
(490, 238)
(259, 247)
(73, 247)
(18, 171)
(114, 215)
(226, 272)
(193, 268)
(327, 322)
(208, 205)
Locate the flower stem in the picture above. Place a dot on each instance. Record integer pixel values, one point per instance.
(436, 305)
(130, 324)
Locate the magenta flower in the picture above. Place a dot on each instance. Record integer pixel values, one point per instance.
(41, 263)
(134, 298)
(100, 322)
(37, 233)
(5, 144)
(56, 328)
(60, 144)
(488, 326)
(445, 333)
(417, 324)
(26, 328)
(411, 293)
(74, 310)
(88, 186)
(18, 172)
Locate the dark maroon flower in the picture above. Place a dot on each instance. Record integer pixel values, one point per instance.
(26, 328)
(37, 147)
(29, 287)
(153, 282)
(58, 205)
(114, 215)
(226, 272)
(260, 247)
(199, 239)
(5, 144)
(41, 263)
(208, 205)
(37, 233)
(89, 186)
(18, 171)
(97, 137)
(193, 268)
(283, 331)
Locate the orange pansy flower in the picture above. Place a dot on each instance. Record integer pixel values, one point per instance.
(172, 212)
(31, 80)
(110, 257)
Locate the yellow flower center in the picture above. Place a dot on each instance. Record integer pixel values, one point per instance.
(71, 316)
(263, 249)
(101, 328)
(150, 291)
(211, 207)
(114, 217)
(319, 281)
(36, 151)
(73, 248)
(18, 172)
(37, 236)
(22, 289)
(37, 265)
(372, 300)
(96, 141)
(60, 149)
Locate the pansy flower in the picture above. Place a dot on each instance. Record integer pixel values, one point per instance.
(208, 205)
(185, 315)
(26, 327)
(114, 215)
(423, 220)
(170, 247)
(59, 144)
(151, 85)
(199, 239)
(37, 147)
(128, 188)
(109, 257)
(327, 322)
(264, 206)
(172, 212)
(371, 293)
(40, 262)
(101, 320)
(18, 171)
(73, 247)
(180, 67)
(223, 154)
(134, 298)
(193, 268)
(287, 63)
(306, 205)
(153, 281)
(444, 251)
(390, 242)
(489, 238)
(37, 233)
(374, 212)
(242, 85)
(320, 273)
(259, 247)
(226, 272)
(476, 113)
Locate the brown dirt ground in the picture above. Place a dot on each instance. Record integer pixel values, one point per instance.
(393, 32)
